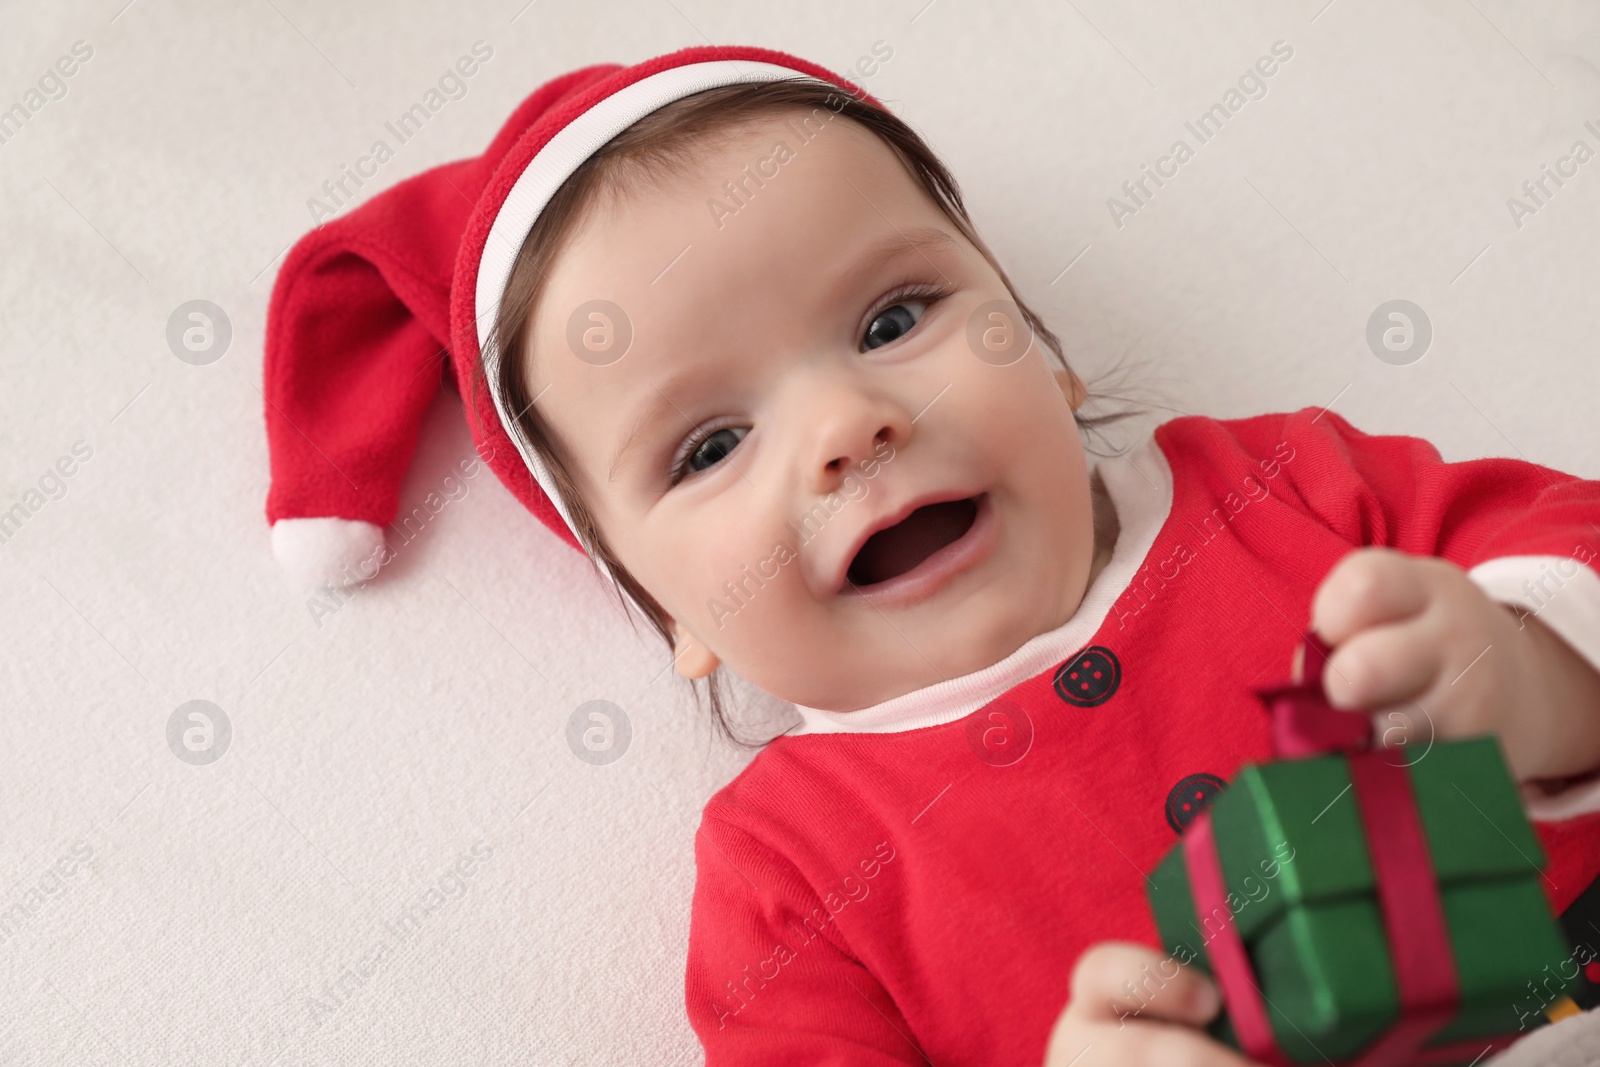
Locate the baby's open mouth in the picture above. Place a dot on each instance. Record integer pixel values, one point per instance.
(897, 549)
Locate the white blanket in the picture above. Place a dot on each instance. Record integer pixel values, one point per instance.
(398, 858)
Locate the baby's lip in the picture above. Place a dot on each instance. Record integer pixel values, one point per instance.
(841, 567)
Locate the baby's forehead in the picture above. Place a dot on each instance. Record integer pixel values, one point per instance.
(736, 161)
(756, 200)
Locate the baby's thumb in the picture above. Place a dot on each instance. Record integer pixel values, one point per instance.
(1120, 981)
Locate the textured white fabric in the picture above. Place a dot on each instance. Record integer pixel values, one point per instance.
(378, 736)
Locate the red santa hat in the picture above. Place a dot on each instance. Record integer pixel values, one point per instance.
(369, 307)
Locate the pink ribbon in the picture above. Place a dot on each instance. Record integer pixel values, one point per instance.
(1305, 724)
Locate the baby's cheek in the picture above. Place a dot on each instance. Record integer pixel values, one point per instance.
(738, 583)
(768, 628)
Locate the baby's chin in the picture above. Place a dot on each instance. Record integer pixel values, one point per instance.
(915, 649)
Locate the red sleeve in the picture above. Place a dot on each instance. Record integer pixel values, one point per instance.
(769, 981)
(1397, 491)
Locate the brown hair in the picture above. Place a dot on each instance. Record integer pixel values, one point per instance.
(661, 142)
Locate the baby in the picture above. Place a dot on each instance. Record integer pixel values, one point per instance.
(840, 457)
(787, 399)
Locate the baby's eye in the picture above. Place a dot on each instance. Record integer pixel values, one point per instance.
(711, 449)
(892, 323)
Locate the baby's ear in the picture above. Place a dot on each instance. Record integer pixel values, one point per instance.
(1072, 388)
(690, 655)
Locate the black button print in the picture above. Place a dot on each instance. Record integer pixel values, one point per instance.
(1190, 797)
(1089, 678)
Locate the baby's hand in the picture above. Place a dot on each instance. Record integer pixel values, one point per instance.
(1131, 1006)
(1415, 630)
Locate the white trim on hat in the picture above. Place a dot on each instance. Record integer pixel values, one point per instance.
(554, 164)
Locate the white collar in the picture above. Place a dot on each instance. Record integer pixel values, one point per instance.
(1140, 486)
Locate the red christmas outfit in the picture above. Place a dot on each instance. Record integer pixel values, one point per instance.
(913, 881)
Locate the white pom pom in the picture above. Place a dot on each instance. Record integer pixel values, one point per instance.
(327, 551)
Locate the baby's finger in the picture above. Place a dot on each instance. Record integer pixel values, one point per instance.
(1117, 980)
(1368, 587)
(1383, 665)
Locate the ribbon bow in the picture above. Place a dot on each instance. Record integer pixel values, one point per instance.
(1303, 722)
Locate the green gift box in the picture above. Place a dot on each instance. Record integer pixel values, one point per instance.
(1356, 908)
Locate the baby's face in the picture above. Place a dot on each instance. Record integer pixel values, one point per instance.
(809, 453)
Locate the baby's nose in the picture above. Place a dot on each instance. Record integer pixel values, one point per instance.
(850, 439)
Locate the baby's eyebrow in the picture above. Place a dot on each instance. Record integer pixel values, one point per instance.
(647, 417)
(916, 240)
